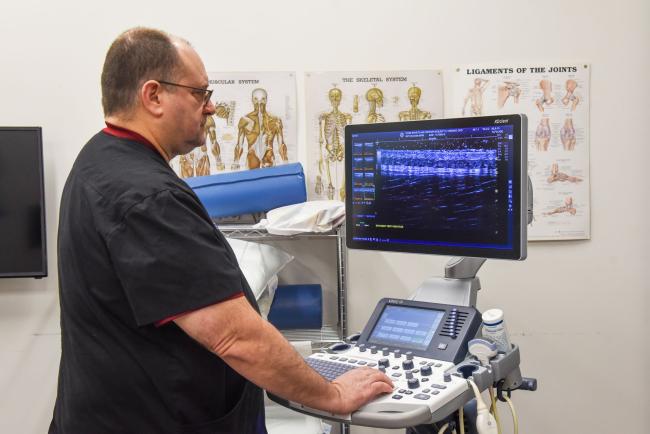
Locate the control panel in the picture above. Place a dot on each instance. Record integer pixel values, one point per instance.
(416, 344)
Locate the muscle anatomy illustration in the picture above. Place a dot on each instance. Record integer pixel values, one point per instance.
(506, 90)
(574, 100)
(475, 97)
(542, 135)
(331, 126)
(568, 135)
(202, 166)
(567, 208)
(414, 113)
(375, 98)
(547, 95)
(187, 165)
(259, 130)
(222, 111)
(557, 176)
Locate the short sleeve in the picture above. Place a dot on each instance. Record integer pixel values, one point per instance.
(171, 259)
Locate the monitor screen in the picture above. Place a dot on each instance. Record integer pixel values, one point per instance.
(406, 327)
(447, 186)
(22, 205)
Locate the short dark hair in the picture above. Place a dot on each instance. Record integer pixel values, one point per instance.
(137, 55)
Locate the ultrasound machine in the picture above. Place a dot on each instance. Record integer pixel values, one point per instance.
(455, 187)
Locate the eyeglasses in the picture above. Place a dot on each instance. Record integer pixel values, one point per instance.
(206, 93)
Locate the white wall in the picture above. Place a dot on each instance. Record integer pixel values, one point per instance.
(578, 309)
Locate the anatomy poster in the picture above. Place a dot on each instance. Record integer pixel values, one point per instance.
(337, 99)
(555, 98)
(254, 124)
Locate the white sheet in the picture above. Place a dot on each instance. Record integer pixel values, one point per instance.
(314, 216)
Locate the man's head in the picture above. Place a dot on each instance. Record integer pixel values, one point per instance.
(335, 95)
(258, 97)
(156, 83)
(414, 93)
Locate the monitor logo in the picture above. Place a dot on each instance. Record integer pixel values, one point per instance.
(395, 301)
(501, 121)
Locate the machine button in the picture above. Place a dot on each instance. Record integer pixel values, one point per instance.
(397, 354)
(423, 362)
(408, 392)
(422, 396)
(385, 351)
(397, 375)
(395, 367)
(334, 358)
(384, 362)
(373, 349)
(413, 383)
(438, 365)
(382, 369)
(409, 355)
(397, 397)
(442, 346)
(372, 364)
(409, 374)
(343, 359)
(352, 361)
(425, 379)
(407, 364)
(438, 386)
(435, 392)
(415, 371)
(361, 362)
(362, 348)
(401, 391)
(426, 370)
(426, 391)
(430, 364)
(447, 377)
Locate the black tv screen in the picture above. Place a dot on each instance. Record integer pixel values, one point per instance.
(22, 203)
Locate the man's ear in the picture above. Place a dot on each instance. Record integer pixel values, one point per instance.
(151, 97)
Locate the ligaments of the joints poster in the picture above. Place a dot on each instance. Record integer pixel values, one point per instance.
(254, 124)
(555, 97)
(337, 99)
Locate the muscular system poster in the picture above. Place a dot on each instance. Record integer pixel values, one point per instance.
(255, 124)
(337, 99)
(555, 98)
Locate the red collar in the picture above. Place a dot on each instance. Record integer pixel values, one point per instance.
(124, 133)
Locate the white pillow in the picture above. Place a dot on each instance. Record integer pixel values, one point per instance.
(259, 262)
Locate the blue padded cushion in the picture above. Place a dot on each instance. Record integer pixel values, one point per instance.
(297, 307)
(250, 191)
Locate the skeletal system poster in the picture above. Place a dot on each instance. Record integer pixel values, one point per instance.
(254, 124)
(555, 98)
(337, 99)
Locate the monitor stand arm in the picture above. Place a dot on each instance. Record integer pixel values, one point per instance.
(459, 286)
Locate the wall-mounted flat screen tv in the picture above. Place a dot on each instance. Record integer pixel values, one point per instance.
(23, 250)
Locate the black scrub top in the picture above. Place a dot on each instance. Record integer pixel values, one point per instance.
(136, 247)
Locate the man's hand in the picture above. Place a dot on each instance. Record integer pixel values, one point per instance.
(357, 387)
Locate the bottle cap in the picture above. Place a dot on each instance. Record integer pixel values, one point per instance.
(492, 316)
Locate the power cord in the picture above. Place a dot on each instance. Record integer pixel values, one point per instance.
(485, 422)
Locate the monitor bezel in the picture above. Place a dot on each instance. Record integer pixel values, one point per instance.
(519, 242)
(43, 271)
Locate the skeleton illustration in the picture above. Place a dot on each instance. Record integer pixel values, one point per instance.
(568, 135)
(331, 127)
(542, 135)
(414, 114)
(375, 98)
(571, 86)
(260, 130)
(475, 96)
(547, 97)
(506, 90)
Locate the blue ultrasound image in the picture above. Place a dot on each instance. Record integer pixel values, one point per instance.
(442, 187)
(415, 182)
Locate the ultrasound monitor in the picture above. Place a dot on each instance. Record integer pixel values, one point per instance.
(447, 186)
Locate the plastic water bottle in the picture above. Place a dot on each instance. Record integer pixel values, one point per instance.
(494, 329)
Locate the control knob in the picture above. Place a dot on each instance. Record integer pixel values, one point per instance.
(384, 363)
(407, 364)
(413, 383)
(426, 370)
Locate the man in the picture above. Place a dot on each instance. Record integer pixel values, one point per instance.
(160, 331)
